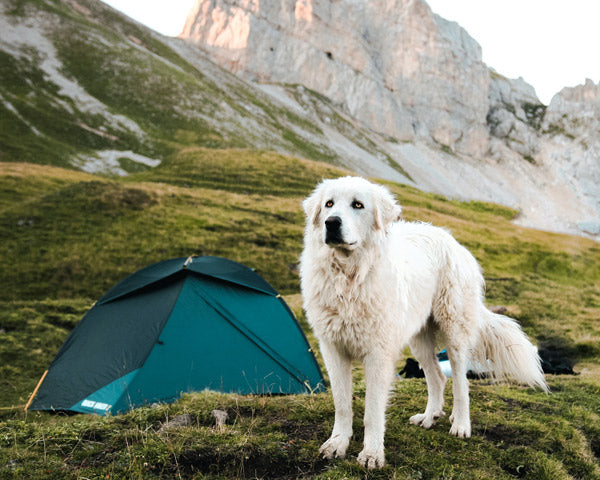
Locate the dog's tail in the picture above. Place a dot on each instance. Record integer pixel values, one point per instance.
(507, 352)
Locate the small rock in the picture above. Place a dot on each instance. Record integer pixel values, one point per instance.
(184, 420)
(591, 227)
(220, 419)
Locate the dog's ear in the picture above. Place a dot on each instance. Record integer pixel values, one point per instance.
(386, 208)
(312, 206)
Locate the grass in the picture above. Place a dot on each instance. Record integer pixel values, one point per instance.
(69, 236)
(119, 226)
(517, 433)
(240, 171)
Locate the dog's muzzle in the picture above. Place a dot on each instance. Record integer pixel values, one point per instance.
(333, 230)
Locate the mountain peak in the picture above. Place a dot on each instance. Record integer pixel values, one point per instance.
(394, 65)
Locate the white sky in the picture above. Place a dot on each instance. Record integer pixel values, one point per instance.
(550, 43)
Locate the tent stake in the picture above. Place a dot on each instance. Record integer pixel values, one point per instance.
(35, 390)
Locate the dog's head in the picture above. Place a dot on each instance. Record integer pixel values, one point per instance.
(346, 212)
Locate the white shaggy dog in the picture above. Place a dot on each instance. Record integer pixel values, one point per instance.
(372, 284)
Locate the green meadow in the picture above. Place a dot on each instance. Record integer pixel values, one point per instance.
(68, 236)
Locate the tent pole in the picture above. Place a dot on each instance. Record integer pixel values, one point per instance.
(35, 390)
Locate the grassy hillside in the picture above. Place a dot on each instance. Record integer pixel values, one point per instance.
(79, 80)
(68, 236)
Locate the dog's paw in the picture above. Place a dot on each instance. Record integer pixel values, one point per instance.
(335, 447)
(461, 429)
(424, 420)
(371, 458)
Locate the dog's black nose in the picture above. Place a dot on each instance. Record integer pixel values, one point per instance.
(333, 223)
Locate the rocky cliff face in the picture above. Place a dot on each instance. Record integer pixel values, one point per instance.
(571, 147)
(451, 123)
(375, 58)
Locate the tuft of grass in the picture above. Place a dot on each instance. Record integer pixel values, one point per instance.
(534, 113)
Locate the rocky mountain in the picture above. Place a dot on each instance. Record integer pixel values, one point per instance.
(453, 124)
(85, 87)
(384, 88)
(376, 58)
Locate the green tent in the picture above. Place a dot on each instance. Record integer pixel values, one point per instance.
(180, 326)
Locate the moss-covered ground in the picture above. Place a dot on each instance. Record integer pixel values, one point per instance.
(68, 236)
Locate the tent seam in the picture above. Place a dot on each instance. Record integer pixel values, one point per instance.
(257, 341)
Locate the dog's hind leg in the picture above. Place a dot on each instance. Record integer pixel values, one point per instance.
(457, 314)
(339, 368)
(460, 418)
(422, 345)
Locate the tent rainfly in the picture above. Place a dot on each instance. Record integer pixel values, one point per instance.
(180, 326)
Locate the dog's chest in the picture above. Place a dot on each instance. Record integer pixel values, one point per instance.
(351, 316)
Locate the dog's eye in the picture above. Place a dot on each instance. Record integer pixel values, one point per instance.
(357, 205)
(329, 203)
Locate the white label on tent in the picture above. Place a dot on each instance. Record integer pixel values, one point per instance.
(95, 405)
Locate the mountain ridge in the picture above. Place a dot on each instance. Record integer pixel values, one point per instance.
(84, 86)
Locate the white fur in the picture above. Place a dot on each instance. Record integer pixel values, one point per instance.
(390, 283)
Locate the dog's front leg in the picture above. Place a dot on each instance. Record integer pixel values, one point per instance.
(379, 373)
(339, 368)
